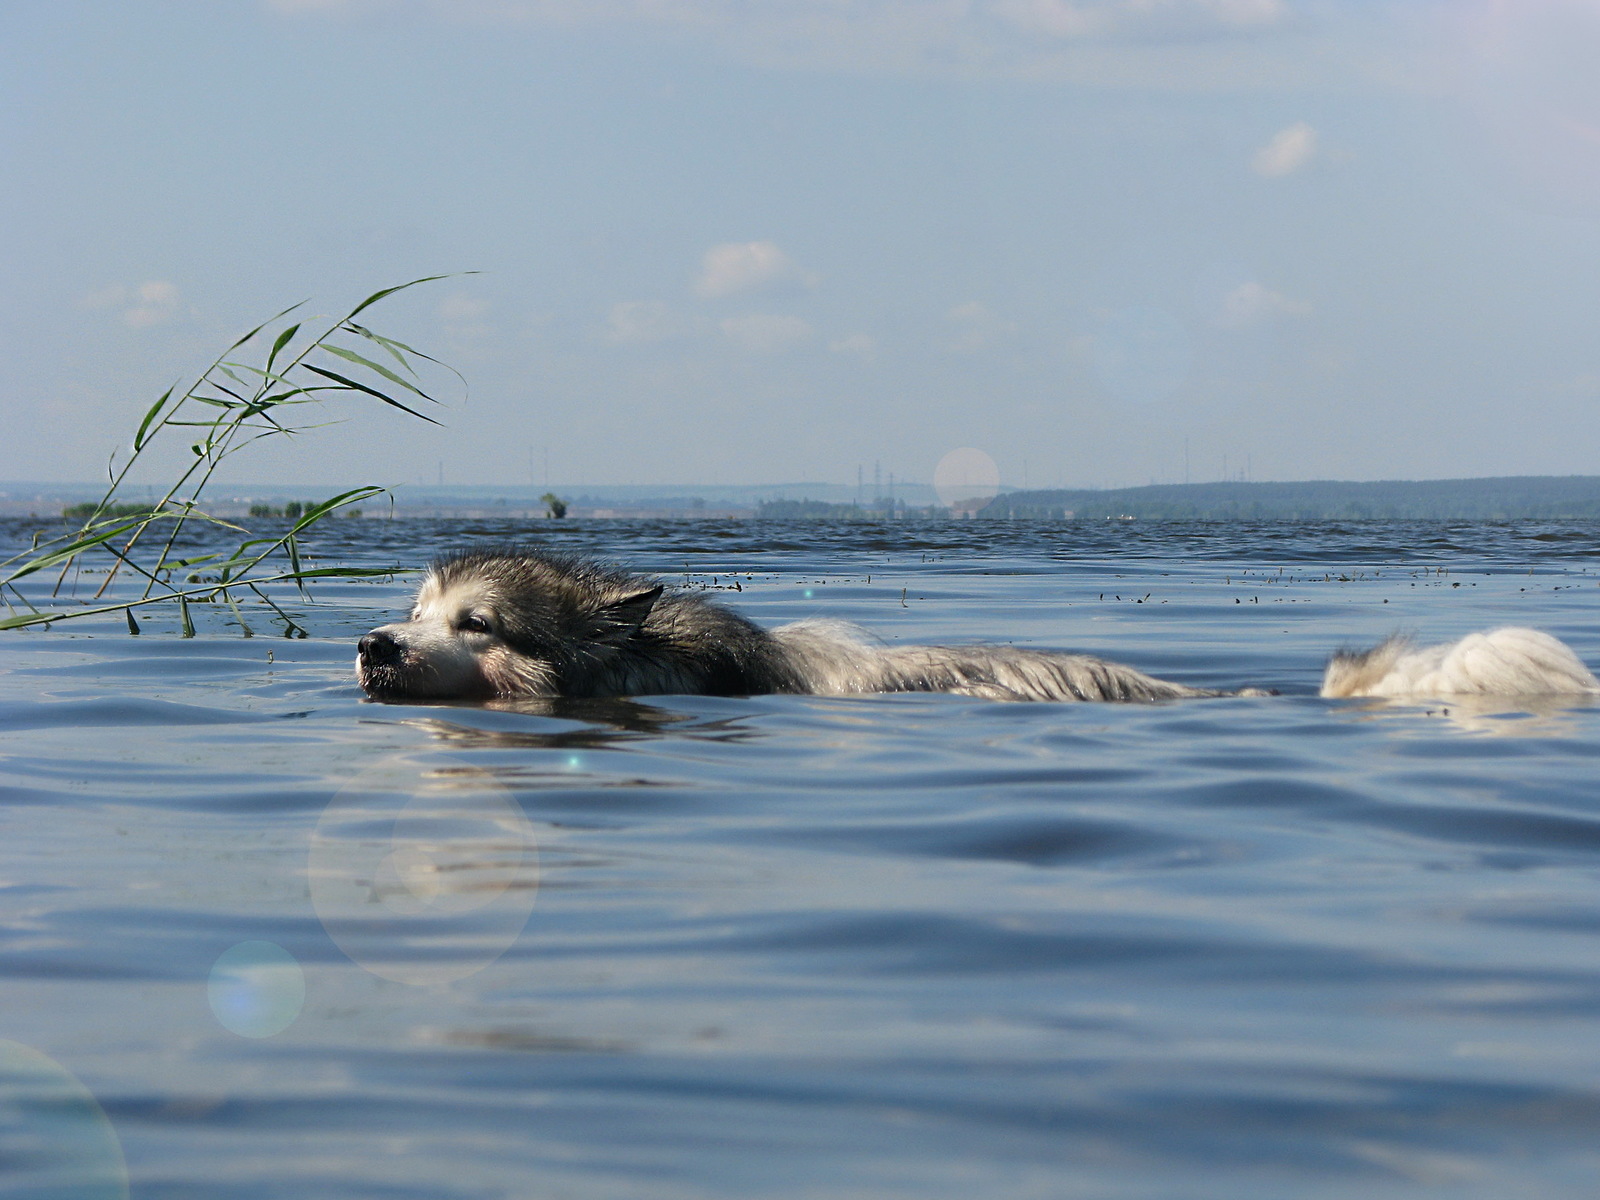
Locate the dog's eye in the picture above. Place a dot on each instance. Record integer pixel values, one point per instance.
(473, 625)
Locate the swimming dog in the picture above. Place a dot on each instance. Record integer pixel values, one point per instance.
(514, 622)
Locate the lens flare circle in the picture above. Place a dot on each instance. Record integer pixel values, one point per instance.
(256, 989)
(55, 1139)
(966, 479)
(423, 875)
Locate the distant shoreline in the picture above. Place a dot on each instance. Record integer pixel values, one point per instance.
(1500, 498)
(1504, 498)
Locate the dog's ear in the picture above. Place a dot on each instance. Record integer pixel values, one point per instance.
(620, 620)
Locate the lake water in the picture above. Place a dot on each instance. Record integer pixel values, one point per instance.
(262, 938)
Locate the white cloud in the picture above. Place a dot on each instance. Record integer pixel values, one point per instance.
(637, 322)
(155, 303)
(110, 296)
(1288, 151)
(1055, 18)
(862, 344)
(746, 266)
(296, 7)
(914, 20)
(1209, 45)
(1246, 14)
(767, 333)
(976, 328)
(1252, 303)
(1109, 18)
(465, 317)
(458, 306)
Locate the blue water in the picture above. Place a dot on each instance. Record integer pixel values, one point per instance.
(260, 937)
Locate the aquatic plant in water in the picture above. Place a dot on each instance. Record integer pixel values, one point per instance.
(231, 405)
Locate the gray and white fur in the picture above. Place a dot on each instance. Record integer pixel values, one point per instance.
(514, 622)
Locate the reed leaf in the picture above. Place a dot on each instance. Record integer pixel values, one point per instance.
(352, 356)
(389, 291)
(283, 340)
(249, 336)
(293, 548)
(231, 405)
(389, 345)
(144, 425)
(244, 626)
(399, 349)
(355, 386)
(75, 548)
(37, 617)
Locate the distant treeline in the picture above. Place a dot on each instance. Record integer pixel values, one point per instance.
(80, 512)
(1502, 499)
(822, 510)
(294, 509)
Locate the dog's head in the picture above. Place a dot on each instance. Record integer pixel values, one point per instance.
(505, 623)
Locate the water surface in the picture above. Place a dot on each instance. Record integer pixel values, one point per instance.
(260, 937)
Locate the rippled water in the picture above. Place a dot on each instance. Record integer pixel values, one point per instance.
(259, 937)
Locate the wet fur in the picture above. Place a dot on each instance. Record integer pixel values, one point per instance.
(559, 625)
(1510, 661)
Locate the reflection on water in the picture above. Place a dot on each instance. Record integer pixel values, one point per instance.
(586, 723)
(1494, 716)
(267, 938)
(423, 876)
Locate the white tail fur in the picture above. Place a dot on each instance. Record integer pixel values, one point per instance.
(1510, 661)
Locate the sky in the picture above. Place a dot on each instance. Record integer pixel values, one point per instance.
(1104, 242)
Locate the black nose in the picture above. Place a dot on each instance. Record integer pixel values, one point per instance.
(378, 647)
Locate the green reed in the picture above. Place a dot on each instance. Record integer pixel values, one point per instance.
(231, 405)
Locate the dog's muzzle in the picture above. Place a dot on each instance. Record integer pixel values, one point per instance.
(378, 649)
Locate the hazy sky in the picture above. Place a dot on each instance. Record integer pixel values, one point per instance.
(732, 241)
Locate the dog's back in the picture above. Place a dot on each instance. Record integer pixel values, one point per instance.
(508, 622)
(686, 643)
(836, 659)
